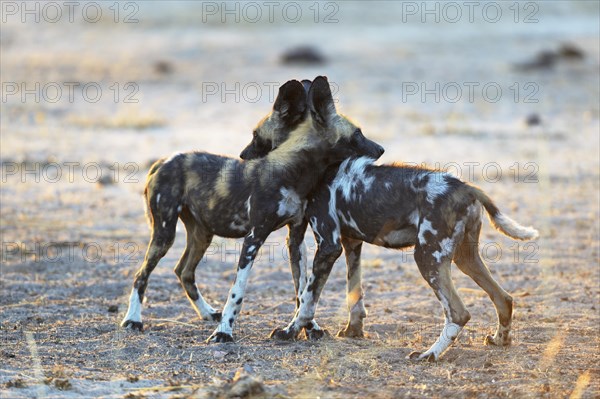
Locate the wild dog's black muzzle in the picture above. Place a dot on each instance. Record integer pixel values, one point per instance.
(374, 150)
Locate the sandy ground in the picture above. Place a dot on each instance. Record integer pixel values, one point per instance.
(73, 230)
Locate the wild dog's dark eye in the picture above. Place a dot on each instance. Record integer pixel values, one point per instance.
(254, 134)
(357, 133)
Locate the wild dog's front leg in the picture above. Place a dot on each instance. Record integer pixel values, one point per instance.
(325, 257)
(354, 296)
(252, 243)
(298, 262)
(297, 253)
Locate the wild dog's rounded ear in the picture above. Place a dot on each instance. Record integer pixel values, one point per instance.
(320, 101)
(291, 104)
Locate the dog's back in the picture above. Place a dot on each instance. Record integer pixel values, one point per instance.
(213, 188)
(385, 204)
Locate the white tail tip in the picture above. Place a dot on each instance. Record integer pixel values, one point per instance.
(513, 229)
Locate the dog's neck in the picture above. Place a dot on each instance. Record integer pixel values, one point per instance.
(301, 160)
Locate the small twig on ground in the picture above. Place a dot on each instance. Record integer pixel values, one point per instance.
(175, 322)
(243, 338)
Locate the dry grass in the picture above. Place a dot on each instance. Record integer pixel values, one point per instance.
(124, 120)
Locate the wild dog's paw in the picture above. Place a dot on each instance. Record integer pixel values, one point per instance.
(219, 337)
(315, 335)
(133, 325)
(284, 334)
(351, 331)
(420, 356)
(501, 340)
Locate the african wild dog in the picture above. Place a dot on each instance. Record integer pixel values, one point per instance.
(216, 195)
(398, 206)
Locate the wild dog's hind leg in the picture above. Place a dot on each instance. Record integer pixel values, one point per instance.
(354, 295)
(456, 315)
(164, 222)
(469, 261)
(198, 240)
(433, 253)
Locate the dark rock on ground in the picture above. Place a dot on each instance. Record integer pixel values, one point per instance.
(302, 55)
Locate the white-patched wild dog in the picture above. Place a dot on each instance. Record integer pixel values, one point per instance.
(217, 195)
(397, 206)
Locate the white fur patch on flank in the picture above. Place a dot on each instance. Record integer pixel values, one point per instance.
(436, 186)
(398, 237)
(290, 203)
(513, 229)
(349, 222)
(164, 224)
(425, 227)
(346, 181)
(134, 312)
(157, 198)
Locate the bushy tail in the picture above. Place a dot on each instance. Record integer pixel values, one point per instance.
(502, 222)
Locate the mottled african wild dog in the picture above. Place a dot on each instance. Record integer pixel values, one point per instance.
(216, 195)
(398, 206)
